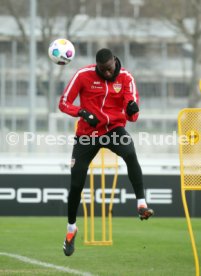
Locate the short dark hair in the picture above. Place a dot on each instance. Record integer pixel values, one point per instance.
(103, 55)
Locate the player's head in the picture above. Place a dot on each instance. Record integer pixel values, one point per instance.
(106, 63)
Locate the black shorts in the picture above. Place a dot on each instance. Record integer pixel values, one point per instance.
(117, 140)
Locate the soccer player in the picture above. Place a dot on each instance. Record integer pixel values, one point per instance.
(108, 98)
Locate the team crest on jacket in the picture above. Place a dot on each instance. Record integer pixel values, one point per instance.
(117, 87)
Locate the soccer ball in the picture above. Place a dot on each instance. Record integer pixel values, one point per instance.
(61, 51)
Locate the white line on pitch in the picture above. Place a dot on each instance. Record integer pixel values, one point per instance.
(44, 264)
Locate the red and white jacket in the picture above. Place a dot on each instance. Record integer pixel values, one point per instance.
(105, 99)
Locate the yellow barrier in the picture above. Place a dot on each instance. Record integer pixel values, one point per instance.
(89, 236)
(189, 127)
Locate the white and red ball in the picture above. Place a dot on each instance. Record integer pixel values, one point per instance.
(61, 51)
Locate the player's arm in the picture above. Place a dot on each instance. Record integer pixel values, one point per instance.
(70, 93)
(131, 99)
(66, 102)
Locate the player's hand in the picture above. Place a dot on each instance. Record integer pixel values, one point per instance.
(90, 118)
(132, 108)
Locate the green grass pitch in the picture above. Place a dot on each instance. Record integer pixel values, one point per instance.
(159, 246)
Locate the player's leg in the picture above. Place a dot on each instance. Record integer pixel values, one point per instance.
(82, 155)
(124, 147)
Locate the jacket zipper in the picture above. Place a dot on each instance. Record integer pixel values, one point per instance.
(108, 120)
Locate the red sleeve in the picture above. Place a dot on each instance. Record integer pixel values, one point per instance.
(130, 94)
(70, 93)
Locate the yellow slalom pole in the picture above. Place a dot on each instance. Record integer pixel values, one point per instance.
(89, 238)
(103, 195)
(189, 122)
(112, 199)
(190, 229)
(92, 202)
(85, 218)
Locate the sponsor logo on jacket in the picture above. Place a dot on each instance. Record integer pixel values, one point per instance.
(96, 85)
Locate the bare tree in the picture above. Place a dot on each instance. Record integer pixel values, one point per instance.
(50, 13)
(185, 16)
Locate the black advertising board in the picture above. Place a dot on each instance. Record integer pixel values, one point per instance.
(46, 195)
